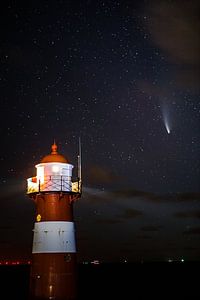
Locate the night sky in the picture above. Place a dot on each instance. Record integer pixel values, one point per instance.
(123, 76)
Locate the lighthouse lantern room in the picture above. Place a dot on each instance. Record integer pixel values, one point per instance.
(54, 173)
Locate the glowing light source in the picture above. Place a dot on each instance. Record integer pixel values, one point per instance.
(40, 174)
(55, 168)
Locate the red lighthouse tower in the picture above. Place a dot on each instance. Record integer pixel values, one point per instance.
(53, 271)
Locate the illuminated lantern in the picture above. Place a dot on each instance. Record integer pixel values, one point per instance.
(53, 270)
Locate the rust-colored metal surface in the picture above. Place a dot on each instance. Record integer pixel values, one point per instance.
(54, 156)
(53, 276)
(54, 207)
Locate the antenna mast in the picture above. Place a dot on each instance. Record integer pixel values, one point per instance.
(79, 165)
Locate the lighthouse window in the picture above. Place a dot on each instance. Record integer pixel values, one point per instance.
(55, 169)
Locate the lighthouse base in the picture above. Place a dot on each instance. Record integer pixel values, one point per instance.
(53, 276)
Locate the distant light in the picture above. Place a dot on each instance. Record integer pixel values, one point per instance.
(170, 260)
(182, 260)
(95, 262)
(55, 169)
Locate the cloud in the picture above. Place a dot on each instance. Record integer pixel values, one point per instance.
(100, 175)
(151, 228)
(131, 213)
(188, 214)
(191, 231)
(132, 193)
(96, 195)
(187, 196)
(174, 27)
(176, 197)
(145, 237)
(156, 198)
(109, 221)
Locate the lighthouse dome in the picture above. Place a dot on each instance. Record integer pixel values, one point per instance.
(54, 156)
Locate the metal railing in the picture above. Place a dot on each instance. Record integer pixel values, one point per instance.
(53, 183)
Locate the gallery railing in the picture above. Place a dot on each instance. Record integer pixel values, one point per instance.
(53, 183)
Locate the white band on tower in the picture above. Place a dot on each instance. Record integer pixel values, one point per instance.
(54, 237)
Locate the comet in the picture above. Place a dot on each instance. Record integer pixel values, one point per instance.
(166, 123)
(167, 127)
(166, 117)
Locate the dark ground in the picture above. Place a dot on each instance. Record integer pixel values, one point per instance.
(116, 281)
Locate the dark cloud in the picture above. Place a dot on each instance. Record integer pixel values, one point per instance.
(145, 237)
(131, 213)
(193, 230)
(97, 195)
(99, 174)
(151, 228)
(108, 221)
(187, 196)
(177, 197)
(188, 214)
(174, 27)
(131, 193)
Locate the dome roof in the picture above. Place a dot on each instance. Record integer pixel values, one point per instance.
(54, 156)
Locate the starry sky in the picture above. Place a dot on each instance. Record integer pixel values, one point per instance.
(123, 76)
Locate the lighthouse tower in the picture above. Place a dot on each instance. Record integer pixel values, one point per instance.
(53, 270)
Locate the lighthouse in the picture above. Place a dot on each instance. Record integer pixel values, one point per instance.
(53, 270)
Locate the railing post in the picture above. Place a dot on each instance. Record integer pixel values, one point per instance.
(39, 185)
(61, 183)
(78, 183)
